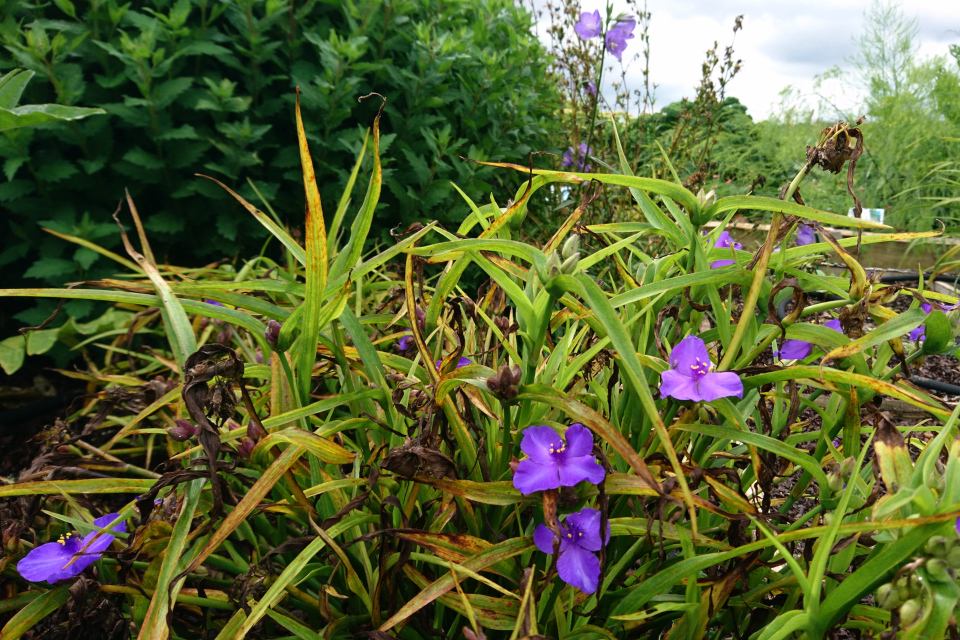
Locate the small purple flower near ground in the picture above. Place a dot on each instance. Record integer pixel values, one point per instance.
(460, 363)
(689, 376)
(590, 25)
(618, 36)
(553, 463)
(800, 349)
(724, 241)
(48, 561)
(405, 343)
(580, 541)
(805, 235)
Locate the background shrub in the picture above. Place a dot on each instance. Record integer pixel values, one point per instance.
(200, 86)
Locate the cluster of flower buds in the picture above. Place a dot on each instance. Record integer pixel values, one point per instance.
(255, 433)
(906, 593)
(183, 431)
(566, 261)
(837, 479)
(506, 383)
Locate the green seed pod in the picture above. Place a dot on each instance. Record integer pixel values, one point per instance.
(937, 547)
(887, 597)
(938, 570)
(571, 246)
(909, 611)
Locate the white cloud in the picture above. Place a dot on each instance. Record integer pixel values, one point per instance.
(782, 43)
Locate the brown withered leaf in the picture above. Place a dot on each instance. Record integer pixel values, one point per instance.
(412, 459)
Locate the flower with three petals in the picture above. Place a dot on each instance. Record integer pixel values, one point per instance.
(49, 562)
(552, 463)
(690, 376)
(580, 540)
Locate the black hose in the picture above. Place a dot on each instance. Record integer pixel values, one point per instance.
(936, 385)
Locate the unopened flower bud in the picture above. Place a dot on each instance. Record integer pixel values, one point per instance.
(887, 597)
(204, 323)
(938, 547)
(245, 447)
(183, 431)
(571, 246)
(224, 337)
(846, 467)
(421, 318)
(272, 333)
(953, 558)
(705, 200)
(513, 464)
(11, 539)
(255, 432)
(553, 265)
(938, 570)
(569, 266)
(909, 611)
(835, 481)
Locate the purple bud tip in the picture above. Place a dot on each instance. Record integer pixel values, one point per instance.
(183, 431)
(245, 448)
(272, 333)
(255, 432)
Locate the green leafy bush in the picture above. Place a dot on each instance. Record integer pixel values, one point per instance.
(315, 449)
(196, 86)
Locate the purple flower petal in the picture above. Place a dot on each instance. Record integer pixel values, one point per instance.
(722, 263)
(690, 354)
(102, 543)
(213, 302)
(579, 568)
(532, 477)
(590, 25)
(45, 563)
(957, 526)
(405, 343)
(805, 235)
(795, 350)
(927, 308)
(725, 241)
(720, 384)
(567, 158)
(591, 88)
(676, 385)
(575, 470)
(579, 441)
(918, 334)
(540, 443)
(834, 324)
(544, 538)
(587, 522)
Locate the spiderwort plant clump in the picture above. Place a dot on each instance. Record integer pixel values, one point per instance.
(70, 555)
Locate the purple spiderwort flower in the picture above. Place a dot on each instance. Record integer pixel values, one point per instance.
(580, 157)
(213, 302)
(800, 349)
(618, 36)
(48, 561)
(405, 343)
(553, 463)
(805, 235)
(580, 539)
(460, 363)
(920, 332)
(592, 88)
(724, 241)
(590, 25)
(690, 378)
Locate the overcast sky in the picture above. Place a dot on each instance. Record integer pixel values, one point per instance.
(782, 43)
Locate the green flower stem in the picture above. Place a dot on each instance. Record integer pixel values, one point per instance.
(596, 98)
